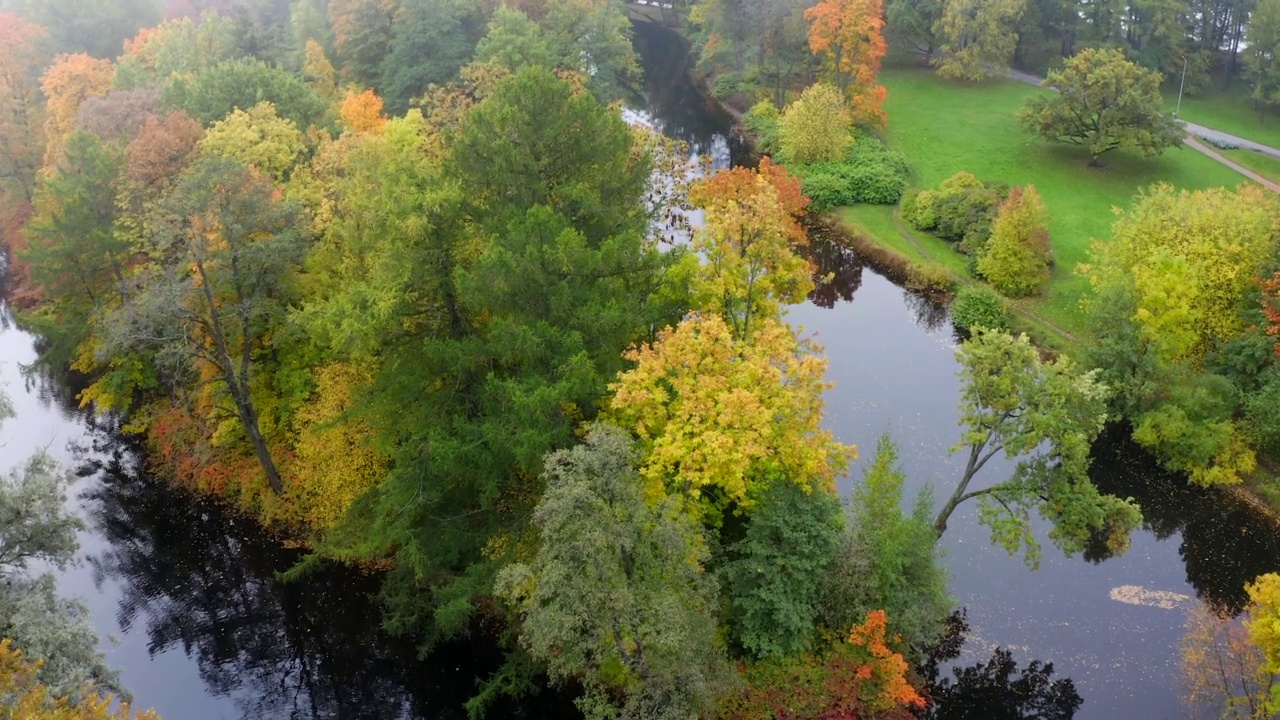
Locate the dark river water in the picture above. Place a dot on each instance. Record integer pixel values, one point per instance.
(201, 629)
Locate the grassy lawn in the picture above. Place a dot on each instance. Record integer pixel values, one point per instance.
(945, 127)
(1265, 165)
(1230, 111)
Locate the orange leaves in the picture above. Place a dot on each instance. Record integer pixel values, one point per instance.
(884, 669)
(850, 33)
(720, 416)
(363, 112)
(66, 84)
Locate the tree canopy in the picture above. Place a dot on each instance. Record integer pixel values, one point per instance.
(1103, 102)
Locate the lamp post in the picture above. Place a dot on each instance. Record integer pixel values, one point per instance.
(1181, 85)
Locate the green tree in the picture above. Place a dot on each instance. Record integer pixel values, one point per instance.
(213, 93)
(1103, 102)
(616, 596)
(218, 287)
(431, 41)
(888, 559)
(1046, 415)
(1263, 52)
(258, 138)
(528, 274)
(773, 579)
(1168, 291)
(593, 37)
(79, 262)
(178, 47)
(513, 41)
(35, 527)
(816, 127)
(96, 27)
(978, 37)
(1015, 259)
(362, 32)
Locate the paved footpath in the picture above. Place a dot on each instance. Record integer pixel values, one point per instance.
(1194, 132)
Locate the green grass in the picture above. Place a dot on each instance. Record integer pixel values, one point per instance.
(1230, 111)
(944, 127)
(1265, 165)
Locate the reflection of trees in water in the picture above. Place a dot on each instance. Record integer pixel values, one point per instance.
(1225, 544)
(204, 580)
(996, 689)
(681, 108)
(837, 271)
(927, 312)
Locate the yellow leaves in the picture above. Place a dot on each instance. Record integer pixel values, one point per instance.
(67, 83)
(1221, 236)
(318, 72)
(25, 698)
(816, 127)
(363, 112)
(335, 462)
(259, 138)
(720, 416)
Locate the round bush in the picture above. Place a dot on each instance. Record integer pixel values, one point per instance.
(979, 306)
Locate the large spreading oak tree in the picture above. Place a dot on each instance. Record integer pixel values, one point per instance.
(1103, 102)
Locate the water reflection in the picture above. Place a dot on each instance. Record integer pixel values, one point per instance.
(1224, 544)
(995, 689)
(203, 580)
(837, 269)
(678, 105)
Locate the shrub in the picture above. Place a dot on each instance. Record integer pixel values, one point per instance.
(1218, 143)
(979, 306)
(930, 278)
(922, 214)
(815, 128)
(762, 121)
(831, 185)
(1014, 260)
(965, 214)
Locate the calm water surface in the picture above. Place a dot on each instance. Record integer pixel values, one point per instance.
(205, 632)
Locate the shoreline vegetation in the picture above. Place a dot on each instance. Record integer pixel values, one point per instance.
(879, 235)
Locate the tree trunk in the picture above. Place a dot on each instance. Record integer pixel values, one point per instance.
(240, 393)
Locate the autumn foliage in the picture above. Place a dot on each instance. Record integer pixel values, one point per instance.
(26, 699)
(719, 416)
(363, 112)
(850, 35)
(67, 83)
(856, 680)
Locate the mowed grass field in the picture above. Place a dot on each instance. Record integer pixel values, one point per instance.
(944, 127)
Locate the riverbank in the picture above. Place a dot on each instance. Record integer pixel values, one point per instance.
(1054, 321)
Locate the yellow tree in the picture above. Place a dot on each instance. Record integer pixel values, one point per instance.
(849, 34)
(318, 72)
(20, 140)
(751, 227)
(24, 698)
(1016, 258)
(66, 84)
(1221, 672)
(722, 418)
(817, 127)
(258, 138)
(363, 112)
(335, 460)
(1263, 625)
